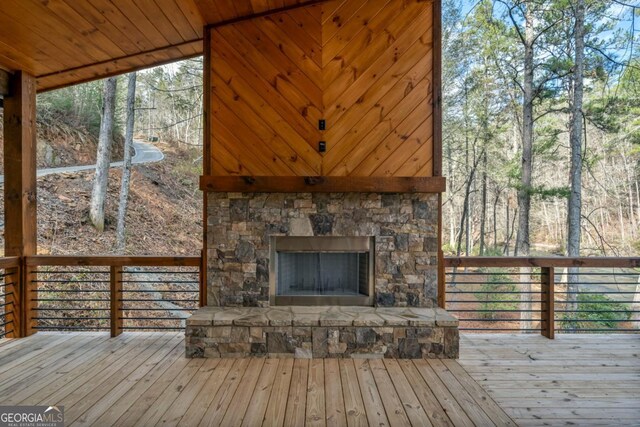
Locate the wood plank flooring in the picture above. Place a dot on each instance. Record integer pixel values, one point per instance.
(143, 379)
(583, 380)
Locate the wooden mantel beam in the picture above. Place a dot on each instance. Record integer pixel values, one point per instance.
(20, 225)
(324, 184)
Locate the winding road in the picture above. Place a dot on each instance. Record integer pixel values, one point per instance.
(144, 153)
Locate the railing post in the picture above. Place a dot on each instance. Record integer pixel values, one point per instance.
(202, 276)
(115, 278)
(13, 300)
(547, 308)
(29, 293)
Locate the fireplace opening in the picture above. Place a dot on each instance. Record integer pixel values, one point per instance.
(321, 270)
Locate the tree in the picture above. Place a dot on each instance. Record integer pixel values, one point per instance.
(574, 210)
(103, 160)
(126, 164)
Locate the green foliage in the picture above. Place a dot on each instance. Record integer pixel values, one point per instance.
(551, 192)
(602, 313)
(496, 284)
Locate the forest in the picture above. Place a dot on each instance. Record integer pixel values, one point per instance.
(541, 127)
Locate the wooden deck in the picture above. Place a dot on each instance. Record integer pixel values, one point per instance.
(143, 379)
(579, 380)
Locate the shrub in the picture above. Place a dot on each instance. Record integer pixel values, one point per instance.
(603, 313)
(496, 299)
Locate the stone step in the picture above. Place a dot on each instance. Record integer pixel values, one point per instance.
(320, 332)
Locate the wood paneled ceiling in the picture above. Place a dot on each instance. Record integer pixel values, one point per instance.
(64, 42)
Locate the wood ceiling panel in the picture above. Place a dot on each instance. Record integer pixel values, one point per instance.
(64, 42)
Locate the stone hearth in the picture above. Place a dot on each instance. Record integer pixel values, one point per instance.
(319, 332)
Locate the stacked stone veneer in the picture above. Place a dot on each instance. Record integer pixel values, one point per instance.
(404, 226)
(321, 332)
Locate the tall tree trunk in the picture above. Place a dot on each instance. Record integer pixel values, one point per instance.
(483, 211)
(574, 208)
(524, 192)
(101, 179)
(126, 164)
(495, 220)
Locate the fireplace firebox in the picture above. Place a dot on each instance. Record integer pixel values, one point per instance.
(321, 270)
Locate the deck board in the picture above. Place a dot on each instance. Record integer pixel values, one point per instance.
(580, 380)
(144, 379)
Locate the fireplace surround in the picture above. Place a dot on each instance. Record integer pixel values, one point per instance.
(401, 229)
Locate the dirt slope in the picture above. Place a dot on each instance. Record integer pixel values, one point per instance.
(164, 216)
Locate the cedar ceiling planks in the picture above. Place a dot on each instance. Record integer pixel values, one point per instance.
(366, 66)
(65, 42)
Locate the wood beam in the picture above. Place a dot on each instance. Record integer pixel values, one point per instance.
(437, 87)
(322, 184)
(116, 66)
(264, 13)
(20, 225)
(4, 83)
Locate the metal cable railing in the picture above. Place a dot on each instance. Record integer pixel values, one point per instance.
(546, 295)
(70, 298)
(495, 299)
(111, 293)
(154, 298)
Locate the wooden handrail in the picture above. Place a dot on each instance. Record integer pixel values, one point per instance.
(558, 262)
(107, 261)
(10, 262)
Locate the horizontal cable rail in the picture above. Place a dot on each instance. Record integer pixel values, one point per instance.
(545, 295)
(103, 293)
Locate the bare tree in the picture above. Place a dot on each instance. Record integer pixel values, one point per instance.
(574, 209)
(101, 179)
(126, 164)
(524, 192)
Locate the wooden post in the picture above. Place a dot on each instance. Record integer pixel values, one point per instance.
(202, 276)
(20, 183)
(13, 309)
(115, 278)
(547, 307)
(4, 83)
(442, 279)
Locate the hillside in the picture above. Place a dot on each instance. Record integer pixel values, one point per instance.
(165, 208)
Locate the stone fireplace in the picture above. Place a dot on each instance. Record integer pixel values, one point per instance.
(322, 180)
(367, 261)
(244, 227)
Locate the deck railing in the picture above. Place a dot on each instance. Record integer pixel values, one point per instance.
(545, 295)
(488, 294)
(92, 293)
